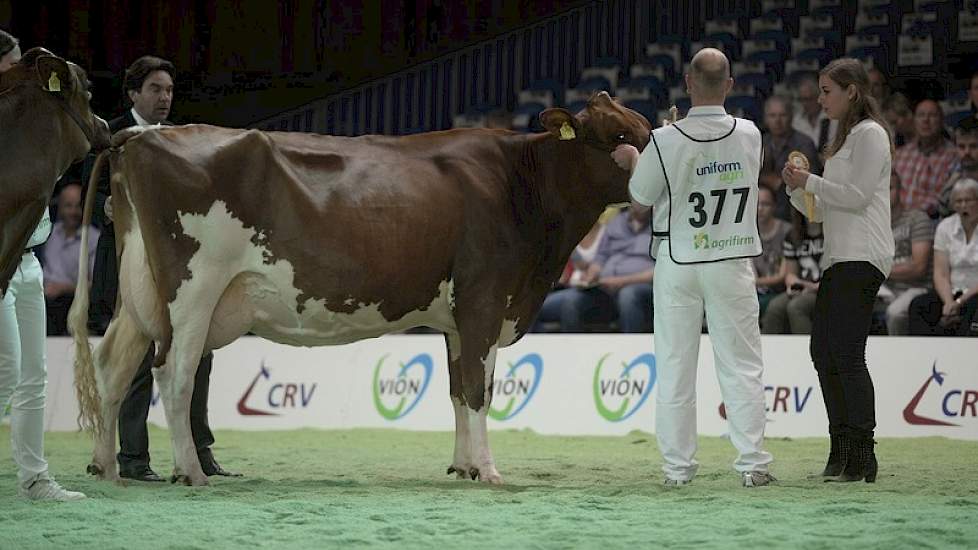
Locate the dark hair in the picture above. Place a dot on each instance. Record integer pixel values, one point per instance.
(141, 68)
(968, 126)
(847, 72)
(897, 103)
(7, 42)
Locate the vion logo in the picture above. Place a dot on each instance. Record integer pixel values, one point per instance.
(280, 396)
(955, 403)
(619, 392)
(398, 389)
(517, 387)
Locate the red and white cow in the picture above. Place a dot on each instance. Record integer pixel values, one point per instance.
(315, 240)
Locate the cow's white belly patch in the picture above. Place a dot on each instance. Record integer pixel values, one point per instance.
(259, 295)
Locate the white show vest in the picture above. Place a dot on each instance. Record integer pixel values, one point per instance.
(712, 185)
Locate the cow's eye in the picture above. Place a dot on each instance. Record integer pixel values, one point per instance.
(621, 137)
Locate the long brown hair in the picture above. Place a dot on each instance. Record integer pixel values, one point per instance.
(847, 71)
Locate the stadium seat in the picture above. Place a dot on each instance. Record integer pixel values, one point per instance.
(646, 107)
(596, 83)
(610, 73)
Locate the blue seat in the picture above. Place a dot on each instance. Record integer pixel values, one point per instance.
(549, 84)
(646, 107)
(576, 106)
(773, 62)
(951, 120)
(781, 38)
(751, 106)
(595, 84)
(761, 82)
(656, 87)
(822, 55)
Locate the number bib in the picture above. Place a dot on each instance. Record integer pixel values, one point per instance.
(712, 188)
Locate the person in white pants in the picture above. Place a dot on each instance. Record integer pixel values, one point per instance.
(23, 373)
(701, 174)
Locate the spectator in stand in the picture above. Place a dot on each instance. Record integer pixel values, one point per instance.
(913, 239)
(950, 308)
(791, 311)
(617, 284)
(878, 87)
(925, 163)
(767, 266)
(60, 259)
(899, 115)
(780, 140)
(811, 120)
(966, 142)
(973, 93)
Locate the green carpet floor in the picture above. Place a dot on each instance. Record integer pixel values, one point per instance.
(388, 489)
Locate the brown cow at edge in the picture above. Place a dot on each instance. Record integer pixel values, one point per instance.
(317, 240)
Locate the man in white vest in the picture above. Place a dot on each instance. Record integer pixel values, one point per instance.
(700, 174)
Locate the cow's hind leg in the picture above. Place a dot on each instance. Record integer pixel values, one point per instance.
(462, 465)
(117, 357)
(190, 317)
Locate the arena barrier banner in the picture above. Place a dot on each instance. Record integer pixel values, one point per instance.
(552, 384)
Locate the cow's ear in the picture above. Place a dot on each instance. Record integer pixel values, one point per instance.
(54, 74)
(561, 123)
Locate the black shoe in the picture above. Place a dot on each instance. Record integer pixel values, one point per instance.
(861, 464)
(211, 467)
(140, 472)
(837, 457)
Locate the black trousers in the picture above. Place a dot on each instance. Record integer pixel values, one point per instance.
(105, 282)
(133, 435)
(925, 317)
(842, 318)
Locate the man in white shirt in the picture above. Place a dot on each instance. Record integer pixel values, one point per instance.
(810, 119)
(701, 176)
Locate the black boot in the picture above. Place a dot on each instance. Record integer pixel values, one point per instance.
(860, 461)
(837, 456)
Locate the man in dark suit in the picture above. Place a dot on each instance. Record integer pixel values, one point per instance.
(149, 87)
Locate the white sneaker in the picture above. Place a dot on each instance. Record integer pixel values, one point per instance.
(676, 482)
(757, 479)
(48, 489)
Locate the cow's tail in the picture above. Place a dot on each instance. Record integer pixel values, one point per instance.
(86, 387)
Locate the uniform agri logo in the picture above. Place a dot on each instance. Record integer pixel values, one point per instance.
(279, 396)
(955, 403)
(729, 171)
(519, 385)
(619, 392)
(700, 240)
(398, 389)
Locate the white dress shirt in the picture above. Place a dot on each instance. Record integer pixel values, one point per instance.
(852, 199)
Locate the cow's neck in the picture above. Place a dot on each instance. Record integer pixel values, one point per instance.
(569, 198)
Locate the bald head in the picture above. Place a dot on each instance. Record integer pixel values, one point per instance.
(709, 79)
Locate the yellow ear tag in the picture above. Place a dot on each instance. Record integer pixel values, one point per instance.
(54, 83)
(567, 132)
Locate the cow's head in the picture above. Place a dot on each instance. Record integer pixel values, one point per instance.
(46, 124)
(594, 133)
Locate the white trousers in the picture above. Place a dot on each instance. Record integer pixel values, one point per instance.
(727, 292)
(23, 372)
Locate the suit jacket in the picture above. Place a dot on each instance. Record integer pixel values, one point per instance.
(105, 276)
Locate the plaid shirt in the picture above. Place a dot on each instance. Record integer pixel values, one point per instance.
(922, 175)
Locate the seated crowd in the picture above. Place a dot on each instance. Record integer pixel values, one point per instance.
(933, 286)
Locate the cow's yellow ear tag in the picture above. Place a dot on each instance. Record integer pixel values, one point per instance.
(567, 132)
(54, 83)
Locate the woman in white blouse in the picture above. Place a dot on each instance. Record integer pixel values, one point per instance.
(852, 200)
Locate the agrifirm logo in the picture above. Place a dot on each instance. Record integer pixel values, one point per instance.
(620, 390)
(280, 396)
(702, 241)
(954, 402)
(515, 390)
(398, 388)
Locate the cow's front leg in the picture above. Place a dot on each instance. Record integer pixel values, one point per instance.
(176, 380)
(462, 465)
(478, 430)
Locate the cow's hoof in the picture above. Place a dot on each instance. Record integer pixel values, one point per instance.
(95, 470)
(180, 478)
(463, 472)
(490, 476)
(474, 473)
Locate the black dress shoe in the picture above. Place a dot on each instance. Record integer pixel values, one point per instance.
(211, 467)
(139, 473)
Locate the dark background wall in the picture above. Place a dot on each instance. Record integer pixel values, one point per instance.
(241, 61)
